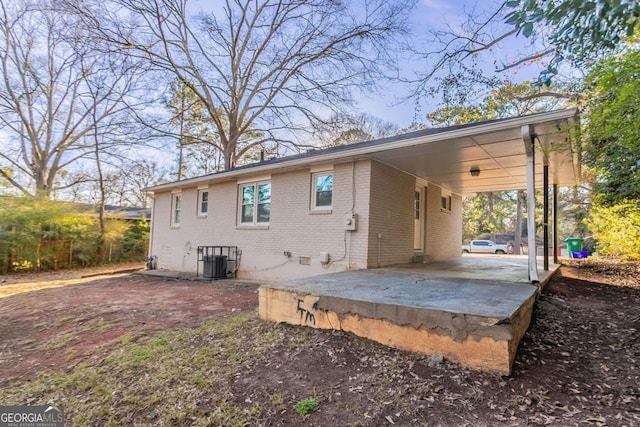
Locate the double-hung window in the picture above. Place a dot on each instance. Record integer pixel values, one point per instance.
(255, 201)
(176, 209)
(203, 202)
(322, 190)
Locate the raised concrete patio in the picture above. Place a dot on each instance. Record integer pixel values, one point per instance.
(471, 309)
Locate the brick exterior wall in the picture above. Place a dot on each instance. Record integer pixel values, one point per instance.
(391, 216)
(293, 226)
(383, 202)
(444, 228)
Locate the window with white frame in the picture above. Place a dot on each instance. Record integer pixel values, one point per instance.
(176, 209)
(322, 191)
(255, 203)
(203, 202)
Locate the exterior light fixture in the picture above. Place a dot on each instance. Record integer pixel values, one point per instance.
(475, 171)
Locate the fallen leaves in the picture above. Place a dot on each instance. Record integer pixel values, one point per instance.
(576, 366)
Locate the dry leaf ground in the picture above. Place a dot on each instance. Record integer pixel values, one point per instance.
(135, 350)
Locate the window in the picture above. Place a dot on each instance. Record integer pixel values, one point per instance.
(203, 202)
(255, 203)
(445, 203)
(176, 204)
(322, 190)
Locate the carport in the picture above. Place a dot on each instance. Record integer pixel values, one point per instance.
(523, 153)
(473, 311)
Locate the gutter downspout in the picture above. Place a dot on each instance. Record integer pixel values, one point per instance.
(545, 222)
(529, 145)
(555, 224)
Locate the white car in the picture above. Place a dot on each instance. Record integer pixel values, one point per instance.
(484, 247)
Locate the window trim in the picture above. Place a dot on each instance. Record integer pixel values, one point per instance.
(314, 191)
(445, 203)
(254, 223)
(201, 192)
(176, 209)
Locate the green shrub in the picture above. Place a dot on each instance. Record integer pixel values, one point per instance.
(136, 240)
(43, 235)
(616, 229)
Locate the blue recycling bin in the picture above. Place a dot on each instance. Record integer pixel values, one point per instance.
(574, 247)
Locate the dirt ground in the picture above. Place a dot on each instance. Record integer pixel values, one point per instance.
(579, 363)
(83, 319)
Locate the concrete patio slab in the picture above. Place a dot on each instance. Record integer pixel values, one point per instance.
(473, 310)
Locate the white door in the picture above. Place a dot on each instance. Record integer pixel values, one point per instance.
(418, 219)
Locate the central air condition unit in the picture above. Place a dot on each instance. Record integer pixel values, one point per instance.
(215, 266)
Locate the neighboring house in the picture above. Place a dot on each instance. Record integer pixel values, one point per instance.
(129, 213)
(367, 205)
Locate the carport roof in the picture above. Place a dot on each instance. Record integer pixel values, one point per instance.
(445, 156)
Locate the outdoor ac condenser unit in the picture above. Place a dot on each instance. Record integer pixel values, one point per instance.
(215, 266)
(221, 267)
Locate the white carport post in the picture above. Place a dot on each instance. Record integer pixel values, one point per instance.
(528, 140)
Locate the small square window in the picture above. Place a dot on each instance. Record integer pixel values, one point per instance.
(203, 202)
(322, 194)
(445, 203)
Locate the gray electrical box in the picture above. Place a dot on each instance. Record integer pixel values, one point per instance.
(351, 222)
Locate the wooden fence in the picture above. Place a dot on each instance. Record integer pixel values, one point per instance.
(42, 255)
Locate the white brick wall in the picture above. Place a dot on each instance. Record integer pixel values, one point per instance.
(392, 212)
(293, 226)
(444, 229)
(383, 202)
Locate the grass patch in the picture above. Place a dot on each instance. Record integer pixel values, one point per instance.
(58, 341)
(65, 319)
(100, 325)
(181, 377)
(307, 406)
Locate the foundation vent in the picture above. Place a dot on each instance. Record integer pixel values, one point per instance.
(305, 260)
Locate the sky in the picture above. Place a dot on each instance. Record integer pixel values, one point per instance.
(393, 105)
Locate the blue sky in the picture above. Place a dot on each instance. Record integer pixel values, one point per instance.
(433, 15)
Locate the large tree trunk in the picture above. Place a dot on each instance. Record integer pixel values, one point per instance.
(101, 211)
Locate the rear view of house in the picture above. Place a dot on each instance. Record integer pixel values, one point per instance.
(367, 205)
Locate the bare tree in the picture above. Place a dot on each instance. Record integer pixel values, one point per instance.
(47, 104)
(125, 183)
(465, 62)
(108, 81)
(344, 129)
(262, 68)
